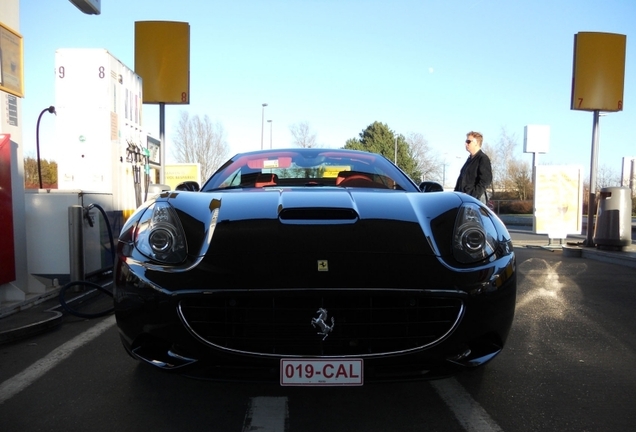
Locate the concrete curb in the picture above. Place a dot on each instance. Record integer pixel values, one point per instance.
(14, 334)
(514, 220)
(42, 321)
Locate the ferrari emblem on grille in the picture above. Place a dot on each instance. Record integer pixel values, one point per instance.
(323, 265)
(321, 323)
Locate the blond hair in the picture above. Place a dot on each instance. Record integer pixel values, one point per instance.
(477, 136)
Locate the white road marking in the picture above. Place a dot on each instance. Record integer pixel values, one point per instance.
(469, 413)
(266, 414)
(16, 384)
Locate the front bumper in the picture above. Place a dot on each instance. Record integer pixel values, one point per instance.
(217, 334)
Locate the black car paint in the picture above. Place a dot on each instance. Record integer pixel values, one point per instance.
(401, 245)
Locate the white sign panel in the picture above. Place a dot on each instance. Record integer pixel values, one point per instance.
(536, 139)
(558, 200)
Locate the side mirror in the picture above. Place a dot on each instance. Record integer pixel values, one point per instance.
(157, 188)
(191, 186)
(431, 186)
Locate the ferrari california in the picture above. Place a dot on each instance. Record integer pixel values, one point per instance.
(314, 267)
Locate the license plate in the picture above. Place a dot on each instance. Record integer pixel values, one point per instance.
(321, 372)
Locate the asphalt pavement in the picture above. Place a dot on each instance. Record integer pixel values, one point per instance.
(46, 312)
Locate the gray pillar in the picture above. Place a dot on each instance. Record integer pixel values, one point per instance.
(76, 242)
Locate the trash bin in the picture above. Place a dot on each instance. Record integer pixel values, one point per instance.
(614, 217)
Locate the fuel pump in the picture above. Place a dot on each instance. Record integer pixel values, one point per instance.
(138, 157)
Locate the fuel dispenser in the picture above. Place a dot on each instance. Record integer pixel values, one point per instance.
(7, 257)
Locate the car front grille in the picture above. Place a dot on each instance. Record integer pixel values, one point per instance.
(279, 323)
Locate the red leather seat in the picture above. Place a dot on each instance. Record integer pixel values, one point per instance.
(265, 179)
(353, 179)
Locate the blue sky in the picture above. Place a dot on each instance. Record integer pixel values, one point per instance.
(436, 67)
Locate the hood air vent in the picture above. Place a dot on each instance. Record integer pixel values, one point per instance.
(325, 215)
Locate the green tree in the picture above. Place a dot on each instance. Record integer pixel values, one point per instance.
(378, 138)
(32, 178)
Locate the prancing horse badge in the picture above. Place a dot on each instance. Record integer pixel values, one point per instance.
(323, 265)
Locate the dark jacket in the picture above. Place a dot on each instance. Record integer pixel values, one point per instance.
(475, 176)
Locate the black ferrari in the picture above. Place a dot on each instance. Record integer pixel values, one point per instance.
(314, 267)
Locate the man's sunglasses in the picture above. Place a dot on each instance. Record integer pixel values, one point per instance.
(469, 141)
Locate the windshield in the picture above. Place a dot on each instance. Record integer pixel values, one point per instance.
(309, 167)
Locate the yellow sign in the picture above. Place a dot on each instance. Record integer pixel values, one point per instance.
(11, 62)
(332, 171)
(162, 60)
(179, 173)
(599, 71)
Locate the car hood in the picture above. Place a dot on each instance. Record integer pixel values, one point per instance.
(313, 237)
(282, 219)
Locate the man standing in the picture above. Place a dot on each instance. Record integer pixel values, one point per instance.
(476, 174)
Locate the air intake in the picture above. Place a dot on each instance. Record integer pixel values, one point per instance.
(324, 215)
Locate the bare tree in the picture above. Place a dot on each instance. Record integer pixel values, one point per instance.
(510, 173)
(303, 136)
(606, 177)
(501, 159)
(427, 164)
(200, 141)
(495, 163)
(520, 179)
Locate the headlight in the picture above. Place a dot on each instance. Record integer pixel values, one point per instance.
(475, 235)
(159, 234)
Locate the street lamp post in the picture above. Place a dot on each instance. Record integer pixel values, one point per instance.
(591, 204)
(395, 154)
(270, 133)
(263, 124)
(444, 174)
(50, 109)
(447, 163)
